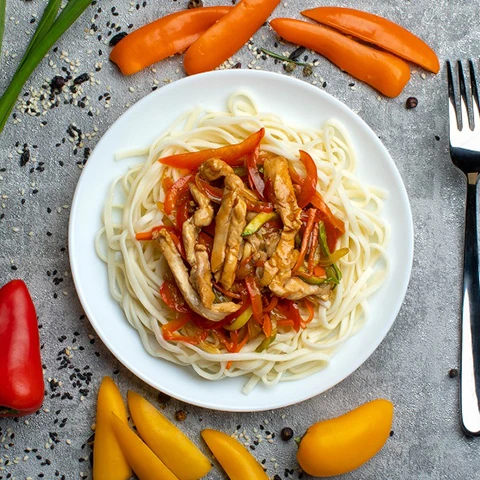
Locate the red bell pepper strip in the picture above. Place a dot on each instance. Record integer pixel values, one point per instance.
(151, 235)
(259, 206)
(309, 185)
(378, 31)
(182, 211)
(21, 376)
(289, 310)
(172, 296)
(305, 239)
(169, 331)
(255, 298)
(272, 304)
(229, 154)
(177, 193)
(227, 293)
(254, 178)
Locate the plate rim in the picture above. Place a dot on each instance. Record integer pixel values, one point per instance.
(409, 234)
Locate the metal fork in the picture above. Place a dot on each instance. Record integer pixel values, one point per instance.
(464, 115)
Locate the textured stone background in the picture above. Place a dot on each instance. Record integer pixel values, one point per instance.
(411, 367)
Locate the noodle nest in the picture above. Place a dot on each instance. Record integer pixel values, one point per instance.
(135, 269)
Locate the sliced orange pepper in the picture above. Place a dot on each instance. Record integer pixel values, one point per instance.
(229, 154)
(108, 459)
(378, 31)
(228, 35)
(236, 460)
(164, 37)
(381, 70)
(168, 442)
(143, 461)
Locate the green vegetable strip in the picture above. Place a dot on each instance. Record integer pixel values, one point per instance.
(46, 22)
(44, 26)
(64, 21)
(3, 4)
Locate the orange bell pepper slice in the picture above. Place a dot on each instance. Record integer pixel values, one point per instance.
(378, 31)
(164, 37)
(229, 154)
(381, 70)
(228, 35)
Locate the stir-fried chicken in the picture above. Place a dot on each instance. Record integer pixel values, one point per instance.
(218, 311)
(203, 216)
(226, 258)
(213, 169)
(230, 221)
(234, 240)
(283, 259)
(201, 276)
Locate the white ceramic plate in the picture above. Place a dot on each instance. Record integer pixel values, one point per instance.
(298, 102)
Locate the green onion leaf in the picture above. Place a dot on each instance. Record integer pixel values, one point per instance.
(70, 13)
(3, 4)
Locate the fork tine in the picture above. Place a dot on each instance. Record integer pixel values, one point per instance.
(476, 100)
(464, 116)
(451, 95)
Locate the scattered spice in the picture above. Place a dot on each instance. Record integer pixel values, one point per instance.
(57, 82)
(195, 4)
(295, 55)
(289, 67)
(84, 77)
(116, 38)
(283, 58)
(180, 415)
(307, 70)
(286, 434)
(453, 373)
(411, 102)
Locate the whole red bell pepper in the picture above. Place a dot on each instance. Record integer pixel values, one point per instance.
(21, 376)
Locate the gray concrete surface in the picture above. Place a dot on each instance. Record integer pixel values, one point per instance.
(411, 366)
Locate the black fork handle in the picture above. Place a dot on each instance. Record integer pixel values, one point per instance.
(470, 354)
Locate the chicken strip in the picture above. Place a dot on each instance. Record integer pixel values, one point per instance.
(213, 169)
(234, 240)
(201, 276)
(295, 289)
(231, 192)
(203, 216)
(284, 257)
(217, 311)
(189, 237)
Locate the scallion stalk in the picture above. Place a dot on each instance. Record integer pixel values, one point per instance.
(46, 22)
(3, 5)
(70, 13)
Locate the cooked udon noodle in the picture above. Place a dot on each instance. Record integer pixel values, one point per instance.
(136, 269)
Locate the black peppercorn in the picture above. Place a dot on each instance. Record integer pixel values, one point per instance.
(57, 82)
(411, 102)
(453, 373)
(195, 4)
(286, 433)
